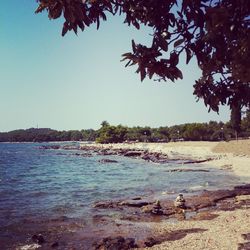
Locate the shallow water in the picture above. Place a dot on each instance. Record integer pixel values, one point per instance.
(40, 187)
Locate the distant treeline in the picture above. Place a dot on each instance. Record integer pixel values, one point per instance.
(212, 131)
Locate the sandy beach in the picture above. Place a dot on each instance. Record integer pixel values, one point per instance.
(224, 229)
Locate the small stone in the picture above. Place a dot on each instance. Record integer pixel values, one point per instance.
(180, 201)
(39, 239)
(150, 241)
(157, 209)
(55, 244)
(107, 161)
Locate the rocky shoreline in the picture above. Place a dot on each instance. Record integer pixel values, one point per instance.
(124, 232)
(198, 208)
(144, 154)
(134, 227)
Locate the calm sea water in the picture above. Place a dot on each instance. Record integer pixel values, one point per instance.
(43, 185)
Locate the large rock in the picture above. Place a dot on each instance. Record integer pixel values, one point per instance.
(105, 204)
(38, 238)
(135, 203)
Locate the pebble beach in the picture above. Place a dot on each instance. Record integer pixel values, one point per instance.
(219, 229)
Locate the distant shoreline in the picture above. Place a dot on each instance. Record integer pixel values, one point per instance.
(233, 155)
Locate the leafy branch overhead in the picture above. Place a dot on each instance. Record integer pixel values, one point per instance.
(215, 32)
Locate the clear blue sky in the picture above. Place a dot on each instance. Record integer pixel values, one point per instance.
(76, 82)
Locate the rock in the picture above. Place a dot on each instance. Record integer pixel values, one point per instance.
(107, 161)
(133, 153)
(187, 170)
(157, 209)
(115, 243)
(197, 161)
(246, 236)
(147, 209)
(70, 147)
(55, 244)
(211, 198)
(49, 147)
(150, 241)
(146, 156)
(39, 239)
(83, 154)
(244, 246)
(107, 152)
(135, 203)
(136, 198)
(86, 155)
(154, 157)
(180, 202)
(105, 204)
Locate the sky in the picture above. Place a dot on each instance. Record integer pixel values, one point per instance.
(76, 82)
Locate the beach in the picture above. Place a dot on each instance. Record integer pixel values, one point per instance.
(232, 155)
(122, 196)
(225, 228)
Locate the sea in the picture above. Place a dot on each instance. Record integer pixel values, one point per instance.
(52, 192)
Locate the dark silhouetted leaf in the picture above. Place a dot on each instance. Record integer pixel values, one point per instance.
(178, 42)
(189, 55)
(163, 44)
(65, 28)
(143, 73)
(133, 46)
(174, 59)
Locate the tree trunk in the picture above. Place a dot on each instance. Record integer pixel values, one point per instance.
(236, 118)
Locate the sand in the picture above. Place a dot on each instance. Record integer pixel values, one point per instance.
(224, 232)
(227, 229)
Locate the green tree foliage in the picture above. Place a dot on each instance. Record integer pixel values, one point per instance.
(212, 131)
(41, 135)
(89, 135)
(111, 134)
(215, 32)
(160, 134)
(104, 124)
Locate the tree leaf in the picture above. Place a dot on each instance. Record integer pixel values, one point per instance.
(136, 24)
(179, 42)
(126, 54)
(178, 73)
(128, 63)
(75, 28)
(143, 73)
(189, 55)
(163, 44)
(174, 59)
(97, 23)
(65, 28)
(133, 46)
